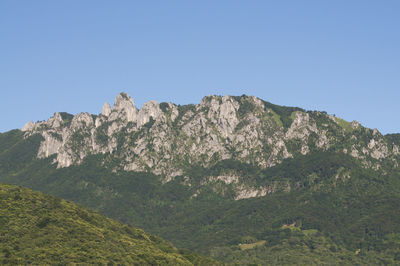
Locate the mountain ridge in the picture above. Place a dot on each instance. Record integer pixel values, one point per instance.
(167, 139)
(234, 177)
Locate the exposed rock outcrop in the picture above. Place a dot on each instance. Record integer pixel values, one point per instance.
(166, 139)
(149, 110)
(28, 126)
(124, 108)
(106, 110)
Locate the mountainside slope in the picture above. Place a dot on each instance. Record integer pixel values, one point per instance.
(39, 229)
(167, 139)
(237, 178)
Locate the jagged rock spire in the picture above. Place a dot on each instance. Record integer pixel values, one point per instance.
(106, 110)
(124, 104)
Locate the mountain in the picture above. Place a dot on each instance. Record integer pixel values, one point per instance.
(234, 177)
(166, 139)
(40, 229)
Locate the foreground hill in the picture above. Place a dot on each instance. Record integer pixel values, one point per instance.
(39, 229)
(236, 178)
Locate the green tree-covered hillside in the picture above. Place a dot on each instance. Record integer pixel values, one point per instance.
(341, 212)
(40, 229)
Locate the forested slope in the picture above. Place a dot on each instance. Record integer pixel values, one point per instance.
(39, 229)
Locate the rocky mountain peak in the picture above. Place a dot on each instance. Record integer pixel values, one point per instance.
(165, 138)
(106, 110)
(56, 120)
(124, 108)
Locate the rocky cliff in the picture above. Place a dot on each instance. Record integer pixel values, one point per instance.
(166, 139)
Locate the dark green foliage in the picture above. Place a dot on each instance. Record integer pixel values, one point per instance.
(15, 151)
(124, 95)
(393, 138)
(164, 107)
(297, 171)
(67, 118)
(45, 230)
(242, 124)
(149, 124)
(324, 164)
(322, 119)
(182, 109)
(245, 107)
(78, 140)
(343, 213)
(284, 112)
(101, 134)
(185, 108)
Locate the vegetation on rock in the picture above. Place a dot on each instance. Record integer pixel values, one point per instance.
(237, 178)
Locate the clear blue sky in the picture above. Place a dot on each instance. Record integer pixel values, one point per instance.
(342, 57)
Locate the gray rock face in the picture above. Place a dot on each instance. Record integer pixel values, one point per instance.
(166, 139)
(82, 120)
(49, 146)
(224, 115)
(124, 108)
(55, 121)
(28, 126)
(149, 109)
(106, 110)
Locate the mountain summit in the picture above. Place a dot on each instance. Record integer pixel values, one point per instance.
(233, 177)
(167, 139)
